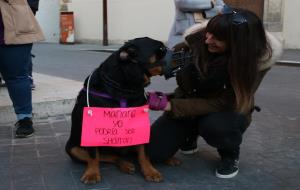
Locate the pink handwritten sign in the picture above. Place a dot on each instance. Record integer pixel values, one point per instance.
(115, 126)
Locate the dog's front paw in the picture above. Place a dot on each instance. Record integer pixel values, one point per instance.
(91, 176)
(153, 175)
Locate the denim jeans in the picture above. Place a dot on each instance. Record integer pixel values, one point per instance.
(14, 67)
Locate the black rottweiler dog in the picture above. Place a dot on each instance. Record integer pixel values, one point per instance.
(123, 75)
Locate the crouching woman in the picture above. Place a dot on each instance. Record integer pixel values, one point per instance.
(215, 93)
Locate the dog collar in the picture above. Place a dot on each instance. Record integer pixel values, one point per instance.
(123, 101)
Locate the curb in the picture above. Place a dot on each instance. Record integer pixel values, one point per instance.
(100, 50)
(53, 96)
(40, 110)
(288, 63)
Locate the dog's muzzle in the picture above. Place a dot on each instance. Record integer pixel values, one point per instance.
(173, 62)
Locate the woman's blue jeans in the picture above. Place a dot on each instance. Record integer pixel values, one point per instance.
(14, 67)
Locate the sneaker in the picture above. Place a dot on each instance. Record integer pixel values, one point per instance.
(190, 146)
(228, 168)
(24, 128)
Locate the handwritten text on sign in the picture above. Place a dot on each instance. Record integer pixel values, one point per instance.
(115, 126)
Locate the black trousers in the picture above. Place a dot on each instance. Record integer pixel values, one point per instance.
(221, 130)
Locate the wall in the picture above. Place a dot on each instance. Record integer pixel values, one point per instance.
(48, 17)
(88, 19)
(273, 15)
(126, 19)
(291, 29)
(135, 18)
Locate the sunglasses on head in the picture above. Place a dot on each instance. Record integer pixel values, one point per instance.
(237, 18)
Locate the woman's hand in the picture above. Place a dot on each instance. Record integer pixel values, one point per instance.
(158, 101)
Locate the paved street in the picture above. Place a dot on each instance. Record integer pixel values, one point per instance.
(269, 154)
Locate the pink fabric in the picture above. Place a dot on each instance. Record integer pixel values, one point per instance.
(157, 100)
(115, 126)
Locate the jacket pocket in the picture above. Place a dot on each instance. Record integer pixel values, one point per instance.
(22, 19)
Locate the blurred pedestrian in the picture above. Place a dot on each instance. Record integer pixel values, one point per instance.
(18, 30)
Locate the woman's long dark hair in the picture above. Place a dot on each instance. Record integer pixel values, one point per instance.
(246, 44)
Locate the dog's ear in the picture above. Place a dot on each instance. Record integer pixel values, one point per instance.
(128, 53)
(124, 55)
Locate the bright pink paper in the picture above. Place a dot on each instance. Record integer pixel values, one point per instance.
(115, 126)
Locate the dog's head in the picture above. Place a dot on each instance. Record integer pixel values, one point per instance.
(142, 57)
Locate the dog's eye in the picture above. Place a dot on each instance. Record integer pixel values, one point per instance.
(161, 52)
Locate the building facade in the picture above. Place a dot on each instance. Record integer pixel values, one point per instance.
(129, 19)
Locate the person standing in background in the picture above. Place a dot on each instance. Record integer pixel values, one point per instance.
(18, 30)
